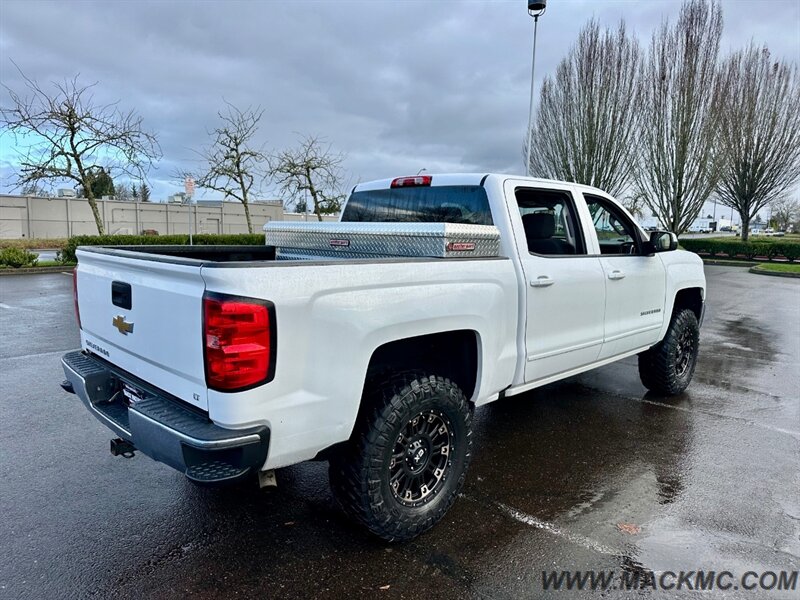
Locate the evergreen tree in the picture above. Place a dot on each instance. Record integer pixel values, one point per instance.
(100, 184)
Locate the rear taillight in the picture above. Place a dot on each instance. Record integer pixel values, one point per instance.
(416, 181)
(75, 295)
(239, 342)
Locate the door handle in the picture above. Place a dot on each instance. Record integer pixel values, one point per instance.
(616, 274)
(542, 281)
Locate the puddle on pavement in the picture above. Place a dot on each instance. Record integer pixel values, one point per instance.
(736, 339)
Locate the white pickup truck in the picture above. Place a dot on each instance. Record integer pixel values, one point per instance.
(230, 362)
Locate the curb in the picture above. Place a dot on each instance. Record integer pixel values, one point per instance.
(35, 270)
(758, 271)
(729, 263)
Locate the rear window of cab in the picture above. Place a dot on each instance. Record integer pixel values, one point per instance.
(466, 204)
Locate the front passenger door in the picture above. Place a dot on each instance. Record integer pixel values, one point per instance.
(635, 283)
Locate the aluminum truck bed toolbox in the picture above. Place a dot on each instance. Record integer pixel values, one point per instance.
(353, 240)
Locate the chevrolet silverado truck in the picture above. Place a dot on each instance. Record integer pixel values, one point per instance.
(369, 342)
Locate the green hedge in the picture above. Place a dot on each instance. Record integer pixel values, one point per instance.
(17, 257)
(34, 244)
(751, 249)
(67, 252)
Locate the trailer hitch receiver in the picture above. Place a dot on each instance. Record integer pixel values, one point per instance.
(120, 447)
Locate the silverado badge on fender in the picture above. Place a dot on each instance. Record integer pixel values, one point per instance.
(122, 325)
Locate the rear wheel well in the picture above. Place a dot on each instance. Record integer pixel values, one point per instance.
(691, 298)
(450, 354)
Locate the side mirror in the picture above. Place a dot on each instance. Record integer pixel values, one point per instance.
(663, 241)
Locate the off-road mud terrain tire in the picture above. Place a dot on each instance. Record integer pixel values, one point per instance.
(667, 367)
(363, 473)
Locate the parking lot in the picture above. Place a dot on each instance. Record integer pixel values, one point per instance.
(589, 473)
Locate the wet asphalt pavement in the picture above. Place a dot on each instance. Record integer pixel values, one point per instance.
(708, 480)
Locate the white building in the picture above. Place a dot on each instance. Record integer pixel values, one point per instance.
(699, 224)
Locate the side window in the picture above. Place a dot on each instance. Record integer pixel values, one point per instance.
(548, 217)
(615, 233)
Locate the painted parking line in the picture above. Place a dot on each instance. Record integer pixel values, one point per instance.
(554, 529)
(37, 355)
(710, 413)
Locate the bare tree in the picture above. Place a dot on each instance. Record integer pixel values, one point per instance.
(677, 166)
(34, 188)
(587, 112)
(635, 204)
(233, 165)
(759, 131)
(312, 167)
(62, 134)
(122, 193)
(785, 211)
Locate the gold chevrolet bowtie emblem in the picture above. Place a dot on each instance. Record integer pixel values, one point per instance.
(123, 326)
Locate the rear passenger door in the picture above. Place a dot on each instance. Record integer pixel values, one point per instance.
(635, 283)
(564, 286)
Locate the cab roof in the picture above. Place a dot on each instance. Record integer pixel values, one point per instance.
(445, 179)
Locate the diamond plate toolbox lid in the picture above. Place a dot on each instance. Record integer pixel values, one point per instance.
(360, 240)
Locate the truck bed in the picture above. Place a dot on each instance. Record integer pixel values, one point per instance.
(190, 255)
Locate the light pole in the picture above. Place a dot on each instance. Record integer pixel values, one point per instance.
(535, 10)
(188, 189)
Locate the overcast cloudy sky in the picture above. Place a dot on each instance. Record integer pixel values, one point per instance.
(398, 86)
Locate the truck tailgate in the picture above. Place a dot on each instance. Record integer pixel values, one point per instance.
(145, 317)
